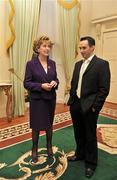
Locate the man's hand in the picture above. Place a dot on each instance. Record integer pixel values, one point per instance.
(93, 109)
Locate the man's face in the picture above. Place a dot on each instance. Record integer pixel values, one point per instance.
(85, 50)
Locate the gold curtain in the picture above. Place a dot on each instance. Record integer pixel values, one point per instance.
(68, 5)
(11, 37)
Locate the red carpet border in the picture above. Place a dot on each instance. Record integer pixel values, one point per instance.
(21, 132)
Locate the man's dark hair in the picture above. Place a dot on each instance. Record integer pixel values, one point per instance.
(91, 41)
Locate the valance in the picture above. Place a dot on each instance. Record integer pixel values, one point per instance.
(68, 4)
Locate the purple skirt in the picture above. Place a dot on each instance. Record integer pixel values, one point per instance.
(42, 114)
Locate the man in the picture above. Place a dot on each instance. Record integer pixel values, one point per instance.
(89, 88)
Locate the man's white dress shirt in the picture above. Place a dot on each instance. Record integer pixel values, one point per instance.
(82, 70)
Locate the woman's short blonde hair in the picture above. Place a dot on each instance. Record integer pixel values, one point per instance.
(37, 43)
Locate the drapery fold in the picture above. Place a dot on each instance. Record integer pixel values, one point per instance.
(69, 35)
(11, 37)
(26, 22)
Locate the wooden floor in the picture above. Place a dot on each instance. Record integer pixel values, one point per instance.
(59, 109)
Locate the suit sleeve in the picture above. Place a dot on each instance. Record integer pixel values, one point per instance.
(29, 84)
(73, 87)
(104, 86)
(56, 79)
(73, 82)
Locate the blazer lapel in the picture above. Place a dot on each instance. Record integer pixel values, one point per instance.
(90, 65)
(40, 70)
(39, 65)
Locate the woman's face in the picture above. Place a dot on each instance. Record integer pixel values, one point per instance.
(44, 48)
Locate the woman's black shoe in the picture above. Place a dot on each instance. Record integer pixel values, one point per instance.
(34, 155)
(49, 151)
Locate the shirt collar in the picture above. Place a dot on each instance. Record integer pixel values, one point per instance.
(89, 59)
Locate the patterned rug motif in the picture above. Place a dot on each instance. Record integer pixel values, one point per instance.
(107, 139)
(56, 167)
(44, 169)
(109, 112)
(21, 129)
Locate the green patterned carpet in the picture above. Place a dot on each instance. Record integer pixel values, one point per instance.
(15, 160)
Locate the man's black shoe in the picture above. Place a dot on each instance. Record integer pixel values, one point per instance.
(74, 158)
(89, 172)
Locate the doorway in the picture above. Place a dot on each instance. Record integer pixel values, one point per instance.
(109, 52)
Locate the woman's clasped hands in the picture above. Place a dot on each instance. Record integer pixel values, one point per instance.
(49, 86)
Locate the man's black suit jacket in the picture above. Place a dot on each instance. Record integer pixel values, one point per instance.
(95, 84)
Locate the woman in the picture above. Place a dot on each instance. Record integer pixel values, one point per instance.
(41, 82)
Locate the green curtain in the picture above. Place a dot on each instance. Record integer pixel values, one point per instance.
(26, 20)
(69, 34)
